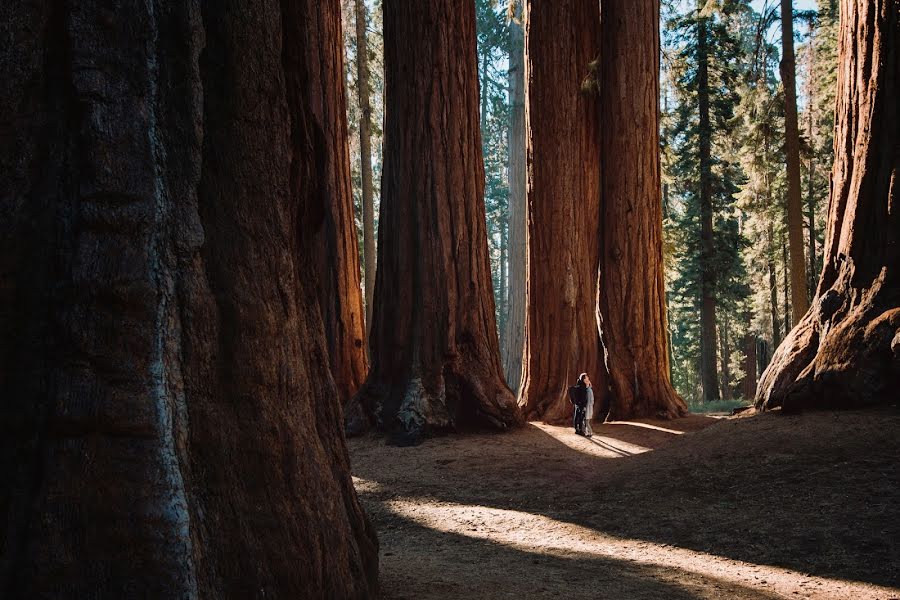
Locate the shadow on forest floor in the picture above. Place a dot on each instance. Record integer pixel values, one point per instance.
(755, 507)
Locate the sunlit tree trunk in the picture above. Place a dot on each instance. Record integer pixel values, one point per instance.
(632, 300)
(797, 266)
(513, 339)
(335, 246)
(846, 350)
(170, 423)
(435, 352)
(562, 41)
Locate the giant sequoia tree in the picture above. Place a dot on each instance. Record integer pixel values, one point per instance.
(846, 350)
(562, 45)
(435, 355)
(169, 421)
(632, 300)
(335, 245)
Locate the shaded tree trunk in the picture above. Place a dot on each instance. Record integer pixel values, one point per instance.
(748, 383)
(336, 245)
(632, 300)
(846, 350)
(562, 41)
(365, 153)
(168, 409)
(787, 284)
(435, 353)
(799, 300)
(811, 210)
(725, 358)
(773, 288)
(708, 375)
(514, 336)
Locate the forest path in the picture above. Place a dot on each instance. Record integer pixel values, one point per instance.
(758, 507)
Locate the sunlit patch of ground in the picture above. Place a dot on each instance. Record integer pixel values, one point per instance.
(763, 507)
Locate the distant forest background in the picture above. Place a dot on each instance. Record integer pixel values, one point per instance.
(741, 146)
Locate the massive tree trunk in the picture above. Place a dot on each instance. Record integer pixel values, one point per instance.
(708, 375)
(562, 41)
(632, 300)
(169, 421)
(336, 246)
(514, 337)
(799, 299)
(365, 153)
(846, 350)
(435, 355)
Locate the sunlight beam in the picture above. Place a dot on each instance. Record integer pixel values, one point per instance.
(538, 534)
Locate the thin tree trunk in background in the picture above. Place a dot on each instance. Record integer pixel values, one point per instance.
(168, 406)
(846, 350)
(708, 374)
(563, 245)
(435, 353)
(336, 245)
(514, 337)
(799, 299)
(748, 384)
(632, 300)
(365, 152)
(787, 285)
(725, 358)
(811, 208)
(773, 287)
(501, 324)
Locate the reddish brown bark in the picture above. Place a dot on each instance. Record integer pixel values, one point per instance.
(169, 423)
(846, 350)
(562, 42)
(435, 354)
(335, 244)
(788, 68)
(513, 340)
(632, 288)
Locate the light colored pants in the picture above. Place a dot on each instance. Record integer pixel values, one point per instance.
(588, 415)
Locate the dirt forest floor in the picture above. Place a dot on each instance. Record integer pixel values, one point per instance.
(767, 506)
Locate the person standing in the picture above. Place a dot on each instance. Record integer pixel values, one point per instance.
(580, 394)
(589, 405)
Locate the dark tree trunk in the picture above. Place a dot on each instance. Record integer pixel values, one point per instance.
(435, 354)
(748, 383)
(562, 41)
(811, 211)
(335, 246)
(169, 421)
(513, 340)
(787, 284)
(708, 375)
(725, 359)
(846, 350)
(797, 266)
(773, 287)
(365, 153)
(632, 300)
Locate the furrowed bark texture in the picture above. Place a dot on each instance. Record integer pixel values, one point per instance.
(515, 317)
(335, 244)
(562, 42)
(632, 289)
(435, 353)
(169, 422)
(846, 351)
(788, 68)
